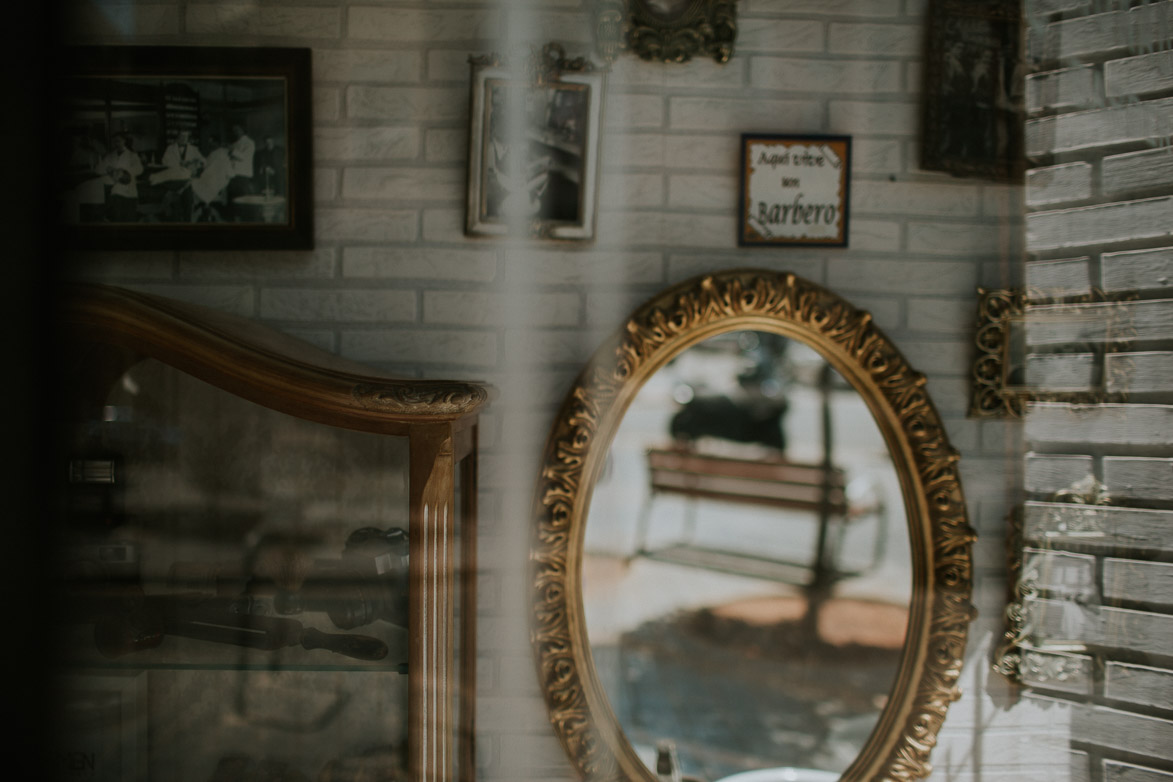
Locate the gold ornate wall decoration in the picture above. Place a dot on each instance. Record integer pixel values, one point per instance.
(538, 66)
(666, 30)
(938, 525)
(1000, 384)
(445, 397)
(999, 311)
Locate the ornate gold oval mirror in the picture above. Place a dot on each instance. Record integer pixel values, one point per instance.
(752, 554)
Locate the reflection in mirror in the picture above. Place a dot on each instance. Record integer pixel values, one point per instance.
(746, 566)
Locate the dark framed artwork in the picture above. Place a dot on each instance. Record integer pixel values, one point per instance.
(534, 147)
(795, 190)
(185, 148)
(667, 30)
(975, 81)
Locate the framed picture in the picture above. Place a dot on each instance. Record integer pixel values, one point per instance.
(795, 190)
(185, 148)
(534, 147)
(974, 90)
(666, 30)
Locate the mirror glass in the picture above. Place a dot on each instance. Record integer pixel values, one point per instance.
(746, 566)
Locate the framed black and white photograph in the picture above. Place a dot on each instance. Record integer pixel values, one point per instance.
(974, 111)
(534, 148)
(185, 148)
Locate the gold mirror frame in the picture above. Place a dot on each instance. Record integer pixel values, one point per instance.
(940, 535)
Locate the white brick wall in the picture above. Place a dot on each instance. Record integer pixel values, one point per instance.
(1096, 128)
(1067, 88)
(1138, 270)
(1150, 218)
(1053, 184)
(1102, 201)
(1058, 278)
(395, 283)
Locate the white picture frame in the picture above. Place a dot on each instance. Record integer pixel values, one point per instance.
(551, 111)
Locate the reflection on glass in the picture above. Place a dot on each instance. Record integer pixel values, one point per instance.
(1014, 368)
(666, 9)
(460, 566)
(746, 569)
(227, 569)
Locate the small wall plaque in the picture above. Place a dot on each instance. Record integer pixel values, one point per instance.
(794, 190)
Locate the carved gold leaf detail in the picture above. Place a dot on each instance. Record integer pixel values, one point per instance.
(412, 396)
(848, 338)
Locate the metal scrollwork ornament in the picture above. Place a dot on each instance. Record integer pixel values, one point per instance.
(1000, 387)
(997, 312)
(667, 30)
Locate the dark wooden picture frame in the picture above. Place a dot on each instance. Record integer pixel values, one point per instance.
(973, 115)
(166, 147)
(795, 190)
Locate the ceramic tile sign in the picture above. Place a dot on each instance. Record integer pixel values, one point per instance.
(794, 190)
